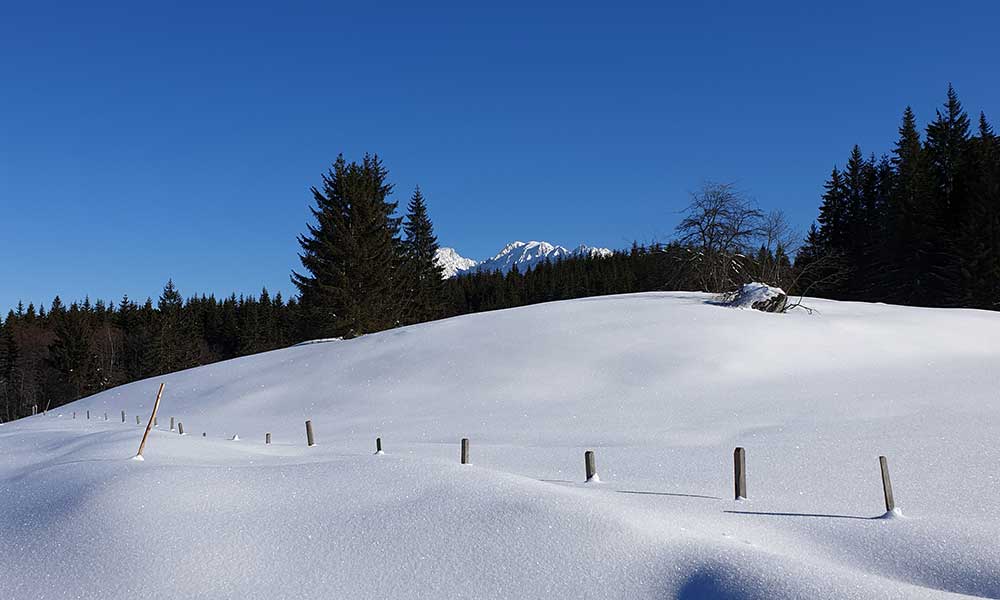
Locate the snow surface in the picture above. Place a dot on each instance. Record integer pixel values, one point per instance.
(661, 386)
(523, 255)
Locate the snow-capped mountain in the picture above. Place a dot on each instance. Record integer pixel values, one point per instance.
(524, 255)
(452, 263)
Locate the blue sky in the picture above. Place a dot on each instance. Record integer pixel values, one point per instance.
(139, 143)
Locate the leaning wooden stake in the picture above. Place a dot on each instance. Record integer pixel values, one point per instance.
(267, 438)
(180, 428)
(152, 419)
(465, 451)
(590, 465)
(740, 472)
(890, 503)
(309, 434)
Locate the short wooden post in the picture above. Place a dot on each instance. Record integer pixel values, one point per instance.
(378, 445)
(137, 422)
(309, 434)
(267, 438)
(152, 421)
(890, 503)
(171, 423)
(105, 416)
(589, 464)
(123, 416)
(88, 415)
(156, 422)
(740, 472)
(180, 428)
(465, 451)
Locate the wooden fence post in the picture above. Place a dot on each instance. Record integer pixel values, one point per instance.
(137, 422)
(267, 438)
(171, 423)
(590, 464)
(123, 416)
(740, 472)
(88, 415)
(890, 503)
(149, 425)
(105, 416)
(378, 445)
(309, 434)
(465, 451)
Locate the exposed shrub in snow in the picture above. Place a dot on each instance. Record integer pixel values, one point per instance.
(757, 296)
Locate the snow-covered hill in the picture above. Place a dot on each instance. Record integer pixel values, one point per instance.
(661, 386)
(523, 255)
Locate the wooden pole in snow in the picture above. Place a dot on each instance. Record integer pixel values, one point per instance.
(589, 464)
(180, 428)
(171, 423)
(105, 416)
(152, 420)
(465, 451)
(740, 472)
(137, 421)
(890, 503)
(309, 434)
(267, 438)
(74, 414)
(378, 445)
(88, 415)
(123, 416)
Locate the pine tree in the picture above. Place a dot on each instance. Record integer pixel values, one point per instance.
(425, 279)
(352, 254)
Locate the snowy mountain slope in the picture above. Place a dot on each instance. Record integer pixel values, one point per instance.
(661, 386)
(452, 262)
(523, 255)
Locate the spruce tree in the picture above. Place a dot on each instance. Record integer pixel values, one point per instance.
(425, 279)
(352, 254)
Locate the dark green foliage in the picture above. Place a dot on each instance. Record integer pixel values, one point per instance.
(352, 254)
(918, 228)
(421, 273)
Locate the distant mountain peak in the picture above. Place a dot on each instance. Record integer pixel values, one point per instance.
(523, 255)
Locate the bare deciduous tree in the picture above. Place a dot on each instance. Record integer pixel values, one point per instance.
(720, 225)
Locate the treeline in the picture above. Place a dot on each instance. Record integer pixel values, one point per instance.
(920, 226)
(50, 357)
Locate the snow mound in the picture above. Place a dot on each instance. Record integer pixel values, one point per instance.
(661, 386)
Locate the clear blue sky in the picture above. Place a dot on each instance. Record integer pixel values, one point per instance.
(142, 141)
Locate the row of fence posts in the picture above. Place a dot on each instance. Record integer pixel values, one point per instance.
(589, 461)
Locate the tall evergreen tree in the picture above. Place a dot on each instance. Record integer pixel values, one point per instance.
(352, 253)
(423, 275)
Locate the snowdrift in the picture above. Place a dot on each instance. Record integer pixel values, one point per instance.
(661, 386)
